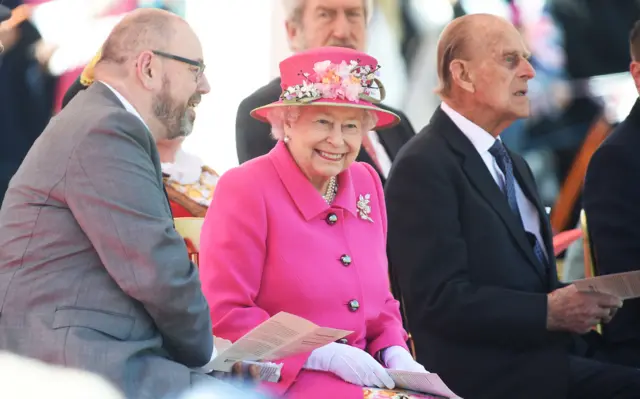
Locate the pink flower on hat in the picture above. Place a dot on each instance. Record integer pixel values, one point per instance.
(344, 81)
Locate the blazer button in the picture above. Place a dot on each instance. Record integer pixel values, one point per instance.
(354, 305)
(346, 260)
(332, 219)
(342, 341)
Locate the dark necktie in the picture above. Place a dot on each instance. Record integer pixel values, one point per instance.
(503, 160)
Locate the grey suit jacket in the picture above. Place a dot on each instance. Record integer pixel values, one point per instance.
(92, 273)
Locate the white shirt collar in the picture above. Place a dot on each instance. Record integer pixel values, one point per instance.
(480, 138)
(126, 104)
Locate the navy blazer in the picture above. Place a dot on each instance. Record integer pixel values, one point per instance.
(475, 295)
(611, 201)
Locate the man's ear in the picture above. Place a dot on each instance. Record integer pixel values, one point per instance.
(634, 68)
(293, 35)
(146, 69)
(461, 75)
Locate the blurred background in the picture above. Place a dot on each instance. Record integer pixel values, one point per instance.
(579, 49)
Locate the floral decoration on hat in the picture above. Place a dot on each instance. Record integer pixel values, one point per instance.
(351, 82)
(331, 77)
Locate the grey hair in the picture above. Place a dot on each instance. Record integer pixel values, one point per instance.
(279, 116)
(294, 8)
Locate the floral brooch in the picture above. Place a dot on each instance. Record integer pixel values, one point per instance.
(364, 209)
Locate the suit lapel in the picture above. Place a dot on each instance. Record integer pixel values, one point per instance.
(392, 139)
(106, 97)
(529, 189)
(482, 180)
(363, 156)
(476, 170)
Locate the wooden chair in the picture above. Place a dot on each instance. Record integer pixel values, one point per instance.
(395, 291)
(570, 191)
(412, 346)
(589, 254)
(562, 241)
(185, 195)
(189, 229)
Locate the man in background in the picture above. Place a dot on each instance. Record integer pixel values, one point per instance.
(612, 204)
(318, 23)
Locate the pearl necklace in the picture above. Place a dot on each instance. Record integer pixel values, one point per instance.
(332, 190)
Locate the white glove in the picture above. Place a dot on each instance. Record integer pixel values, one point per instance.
(397, 358)
(351, 364)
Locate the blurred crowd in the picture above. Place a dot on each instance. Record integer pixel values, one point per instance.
(571, 42)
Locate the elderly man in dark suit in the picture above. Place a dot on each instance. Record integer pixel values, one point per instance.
(92, 273)
(612, 203)
(472, 243)
(318, 23)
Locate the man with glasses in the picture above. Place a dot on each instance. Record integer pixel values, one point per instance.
(83, 80)
(92, 273)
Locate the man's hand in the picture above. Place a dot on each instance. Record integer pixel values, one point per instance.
(9, 34)
(571, 310)
(8, 37)
(43, 51)
(240, 374)
(612, 312)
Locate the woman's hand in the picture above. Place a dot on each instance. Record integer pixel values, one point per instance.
(351, 364)
(398, 358)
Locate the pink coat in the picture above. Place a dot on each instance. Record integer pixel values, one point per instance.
(267, 246)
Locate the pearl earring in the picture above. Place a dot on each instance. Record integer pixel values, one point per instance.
(287, 139)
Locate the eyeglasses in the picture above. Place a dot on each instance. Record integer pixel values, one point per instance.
(198, 64)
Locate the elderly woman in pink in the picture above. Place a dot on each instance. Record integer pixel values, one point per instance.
(303, 230)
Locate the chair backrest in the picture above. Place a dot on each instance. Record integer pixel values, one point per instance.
(193, 197)
(589, 254)
(570, 190)
(395, 291)
(189, 229)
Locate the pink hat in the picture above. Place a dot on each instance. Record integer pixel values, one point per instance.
(331, 76)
